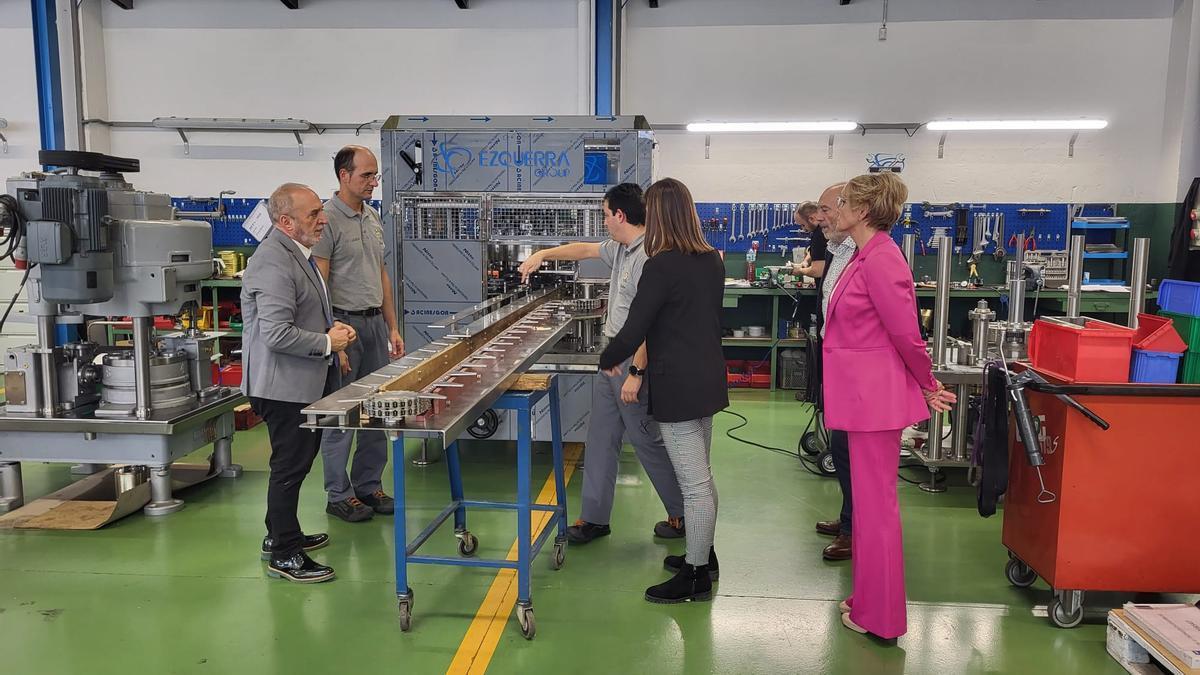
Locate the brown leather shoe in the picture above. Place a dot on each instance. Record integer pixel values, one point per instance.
(830, 527)
(838, 549)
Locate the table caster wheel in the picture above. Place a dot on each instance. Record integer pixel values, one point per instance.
(525, 618)
(1019, 574)
(558, 555)
(405, 607)
(467, 545)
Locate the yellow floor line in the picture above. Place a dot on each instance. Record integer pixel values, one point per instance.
(479, 644)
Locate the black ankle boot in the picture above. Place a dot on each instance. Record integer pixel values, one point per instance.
(690, 583)
(673, 563)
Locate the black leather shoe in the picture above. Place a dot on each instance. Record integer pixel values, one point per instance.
(312, 542)
(689, 583)
(380, 502)
(582, 532)
(671, 528)
(299, 568)
(674, 563)
(350, 510)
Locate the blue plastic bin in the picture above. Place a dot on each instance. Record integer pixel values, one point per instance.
(1180, 297)
(1157, 367)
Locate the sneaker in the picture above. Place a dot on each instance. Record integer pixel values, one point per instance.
(582, 532)
(312, 542)
(674, 563)
(299, 568)
(380, 502)
(671, 528)
(351, 510)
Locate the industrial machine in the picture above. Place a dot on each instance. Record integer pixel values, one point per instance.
(467, 199)
(93, 246)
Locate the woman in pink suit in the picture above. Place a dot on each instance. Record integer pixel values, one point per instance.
(880, 381)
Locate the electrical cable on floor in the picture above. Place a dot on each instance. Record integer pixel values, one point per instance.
(804, 461)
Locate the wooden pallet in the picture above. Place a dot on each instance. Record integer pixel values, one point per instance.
(1149, 657)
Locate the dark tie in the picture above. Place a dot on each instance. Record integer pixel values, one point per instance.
(324, 305)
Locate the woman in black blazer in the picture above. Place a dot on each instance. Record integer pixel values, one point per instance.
(677, 312)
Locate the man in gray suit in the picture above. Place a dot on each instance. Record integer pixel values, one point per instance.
(289, 341)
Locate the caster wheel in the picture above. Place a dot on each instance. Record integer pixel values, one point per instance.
(485, 425)
(467, 545)
(825, 463)
(559, 555)
(1019, 574)
(1059, 616)
(525, 618)
(810, 443)
(405, 608)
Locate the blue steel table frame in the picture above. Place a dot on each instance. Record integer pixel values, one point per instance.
(527, 549)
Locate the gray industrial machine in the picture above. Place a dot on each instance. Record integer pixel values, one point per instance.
(467, 199)
(94, 246)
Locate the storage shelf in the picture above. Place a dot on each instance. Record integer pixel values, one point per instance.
(761, 342)
(1118, 255)
(221, 283)
(1085, 225)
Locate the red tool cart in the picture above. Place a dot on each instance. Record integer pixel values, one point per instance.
(1114, 509)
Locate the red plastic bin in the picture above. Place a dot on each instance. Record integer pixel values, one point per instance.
(1098, 351)
(231, 375)
(740, 374)
(1158, 334)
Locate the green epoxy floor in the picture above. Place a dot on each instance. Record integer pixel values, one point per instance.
(187, 593)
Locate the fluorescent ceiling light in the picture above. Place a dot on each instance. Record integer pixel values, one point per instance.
(719, 127)
(232, 123)
(1016, 125)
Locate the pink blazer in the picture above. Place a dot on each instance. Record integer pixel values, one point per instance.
(875, 364)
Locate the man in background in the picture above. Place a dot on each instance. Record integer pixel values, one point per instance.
(351, 258)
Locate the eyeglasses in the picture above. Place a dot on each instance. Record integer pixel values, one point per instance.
(841, 201)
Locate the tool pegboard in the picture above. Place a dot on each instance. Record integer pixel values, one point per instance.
(227, 231)
(972, 226)
(733, 226)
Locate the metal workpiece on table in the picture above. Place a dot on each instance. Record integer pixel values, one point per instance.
(1075, 275)
(459, 381)
(941, 307)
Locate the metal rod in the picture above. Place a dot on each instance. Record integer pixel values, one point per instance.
(1016, 294)
(12, 495)
(141, 364)
(49, 369)
(910, 251)
(1137, 279)
(941, 301)
(958, 443)
(1075, 275)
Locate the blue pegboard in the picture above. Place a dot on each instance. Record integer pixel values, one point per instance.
(228, 231)
(1043, 223)
(732, 227)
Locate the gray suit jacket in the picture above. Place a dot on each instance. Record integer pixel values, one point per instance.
(284, 310)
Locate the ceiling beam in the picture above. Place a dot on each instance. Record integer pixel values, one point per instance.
(291, 4)
(463, 4)
(123, 4)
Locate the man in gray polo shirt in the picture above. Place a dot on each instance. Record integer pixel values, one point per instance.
(619, 406)
(350, 256)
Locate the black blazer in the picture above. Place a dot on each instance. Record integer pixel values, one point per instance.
(677, 312)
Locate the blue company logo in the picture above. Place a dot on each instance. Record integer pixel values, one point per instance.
(451, 159)
(545, 163)
(881, 161)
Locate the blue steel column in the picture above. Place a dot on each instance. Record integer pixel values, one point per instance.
(49, 75)
(605, 17)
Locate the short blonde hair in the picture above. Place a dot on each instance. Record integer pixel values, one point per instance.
(883, 195)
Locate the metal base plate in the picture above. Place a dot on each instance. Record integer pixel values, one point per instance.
(163, 508)
(232, 471)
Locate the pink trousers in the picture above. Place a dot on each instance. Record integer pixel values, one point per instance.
(877, 602)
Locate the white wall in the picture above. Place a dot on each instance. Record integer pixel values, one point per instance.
(235, 59)
(18, 84)
(1113, 69)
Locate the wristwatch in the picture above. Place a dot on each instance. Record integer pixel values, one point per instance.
(635, 371)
